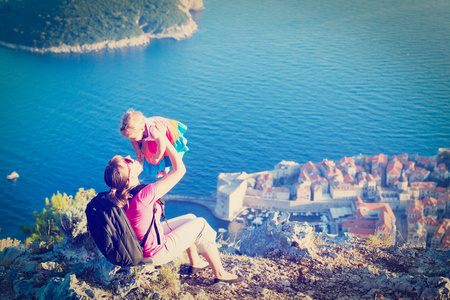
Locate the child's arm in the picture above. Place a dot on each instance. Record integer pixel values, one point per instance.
(158, 133)
(161, 147)
(143, 148)
(139, 153)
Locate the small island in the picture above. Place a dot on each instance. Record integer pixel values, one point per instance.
(81, 26)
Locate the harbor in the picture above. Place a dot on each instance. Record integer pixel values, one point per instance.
(209, 203)
(253, 217)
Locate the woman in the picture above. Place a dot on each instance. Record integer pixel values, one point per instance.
(188, 233)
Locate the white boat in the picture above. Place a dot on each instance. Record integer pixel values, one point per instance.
(12, 176)
(257, 221)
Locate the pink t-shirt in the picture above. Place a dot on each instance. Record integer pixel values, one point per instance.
(140, 214)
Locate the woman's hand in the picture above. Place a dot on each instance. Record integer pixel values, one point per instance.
(155, 160)
(160, 129)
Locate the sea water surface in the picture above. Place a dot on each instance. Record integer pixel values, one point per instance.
(262, 81)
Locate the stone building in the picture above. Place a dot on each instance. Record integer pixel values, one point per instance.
(393, 172)
(371, 219)
(231, 189)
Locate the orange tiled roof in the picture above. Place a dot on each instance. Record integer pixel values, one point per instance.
(421, 171)
(431, 221)
(443, 230)
(380, 159)
(424, 220)
(442, 171)
(314, 177)
(415, 202)
(385, 222)
(416, 209)
(394, 168)
(445, 245)
(348, 178)
(386, 217)
(384, 207)
(345, 160)
(424, 185)
(309, 167)
(304, 176)
(409, 165)
(415, 220)
(444, 197)
(430, 201)
(441, 190)
(424, 160)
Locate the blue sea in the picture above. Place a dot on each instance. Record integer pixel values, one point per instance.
(260, 82)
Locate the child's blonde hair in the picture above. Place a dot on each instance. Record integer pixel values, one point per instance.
(132, 122)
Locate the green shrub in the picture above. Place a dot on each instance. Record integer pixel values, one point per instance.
(168, 282)
(379, 239)
(62, 216)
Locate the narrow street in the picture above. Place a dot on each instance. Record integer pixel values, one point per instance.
(402, 226)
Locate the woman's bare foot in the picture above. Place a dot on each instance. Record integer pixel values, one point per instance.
(228, 278)
(201, 264)
(198, 266)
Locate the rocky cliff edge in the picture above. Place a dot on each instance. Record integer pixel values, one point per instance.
(278, 260)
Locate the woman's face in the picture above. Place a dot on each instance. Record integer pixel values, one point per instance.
(134, 168)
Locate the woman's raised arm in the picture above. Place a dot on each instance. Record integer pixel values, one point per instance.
(164, 185)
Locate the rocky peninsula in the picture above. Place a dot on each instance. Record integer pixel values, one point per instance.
(128, 33)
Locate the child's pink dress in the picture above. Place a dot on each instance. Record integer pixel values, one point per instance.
(175, 133)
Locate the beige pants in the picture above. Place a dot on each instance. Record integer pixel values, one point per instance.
(187, 230)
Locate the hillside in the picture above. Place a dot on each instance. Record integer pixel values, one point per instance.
(296, 264)
(56, 23)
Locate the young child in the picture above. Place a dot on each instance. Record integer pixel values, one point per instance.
(144, 134)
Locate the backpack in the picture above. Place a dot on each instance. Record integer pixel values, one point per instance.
(112, 232)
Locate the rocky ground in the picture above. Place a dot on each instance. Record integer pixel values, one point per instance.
(335, 272)
(293, 263)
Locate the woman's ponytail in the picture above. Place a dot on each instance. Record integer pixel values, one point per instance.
(116, 177)
(119, 197)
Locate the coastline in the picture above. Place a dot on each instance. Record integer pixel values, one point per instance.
(176, 32)
(233, 230)
(205, 202)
